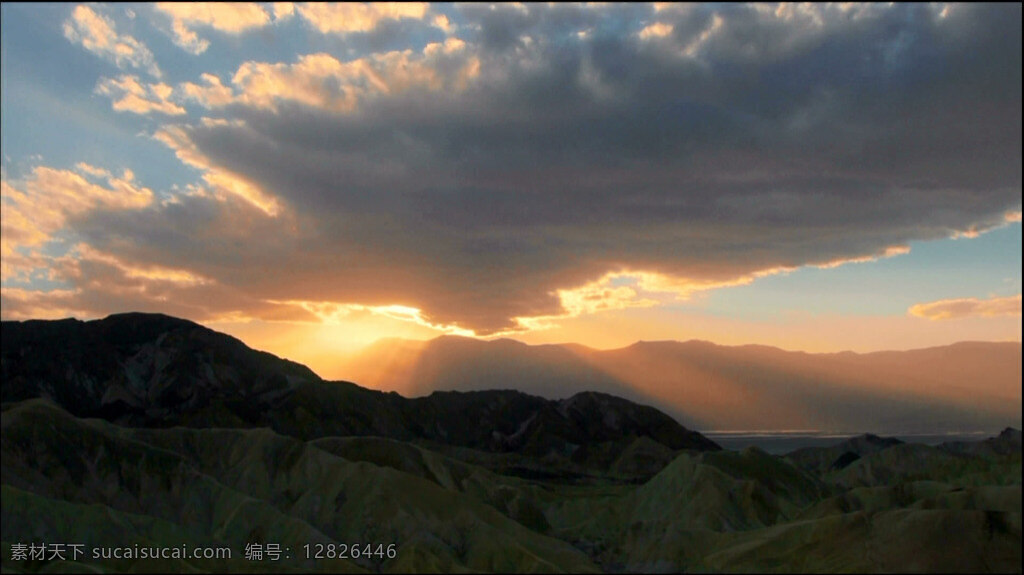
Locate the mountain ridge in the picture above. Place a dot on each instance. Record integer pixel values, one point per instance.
(152, 370)
(700, 342)
(966, 385)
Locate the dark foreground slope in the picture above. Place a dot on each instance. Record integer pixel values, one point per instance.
(148, 431)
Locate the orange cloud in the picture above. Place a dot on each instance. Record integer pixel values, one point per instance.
(647, 289)
(50, 195)
(602, 294)
(357, 17)
(221, 180)
(1009, 217)
(967, 307)
(105, 284)
(227, 17)
(656, 30)
(211, 94)
(322, 81)
(441, 21)
(805, 14)
(337, 313)
(129, 95)
(96, 34)
(283, 10)
(35, 209)
(23, 304)
(887, 253)
(143, 272)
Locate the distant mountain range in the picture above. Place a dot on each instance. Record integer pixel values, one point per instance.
(143, 431)
(961, 387)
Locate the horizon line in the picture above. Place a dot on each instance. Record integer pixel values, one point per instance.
(491, 339)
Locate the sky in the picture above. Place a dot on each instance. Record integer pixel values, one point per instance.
(313, 177)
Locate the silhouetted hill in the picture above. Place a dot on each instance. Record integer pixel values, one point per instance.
(1007, 442)
(150, 370)
(142, 369)
(840, 455)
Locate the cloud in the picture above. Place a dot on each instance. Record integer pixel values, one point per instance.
(968, 307)
(96, 33)
(656, 30)
(180, 277)
(227, 17)
(44, 201)
(332, 313)
(46, 211)
(636, 288)
(324, 82)
(524, 171)
(212, 93)
(283, 10)
(347, 17)
(106, 284)
(42, 205)
(129, 95)
(221, 182)
(25, 304)
(891, 251)
(441, 21)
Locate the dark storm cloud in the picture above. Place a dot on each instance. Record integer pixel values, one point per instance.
(740, 141)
